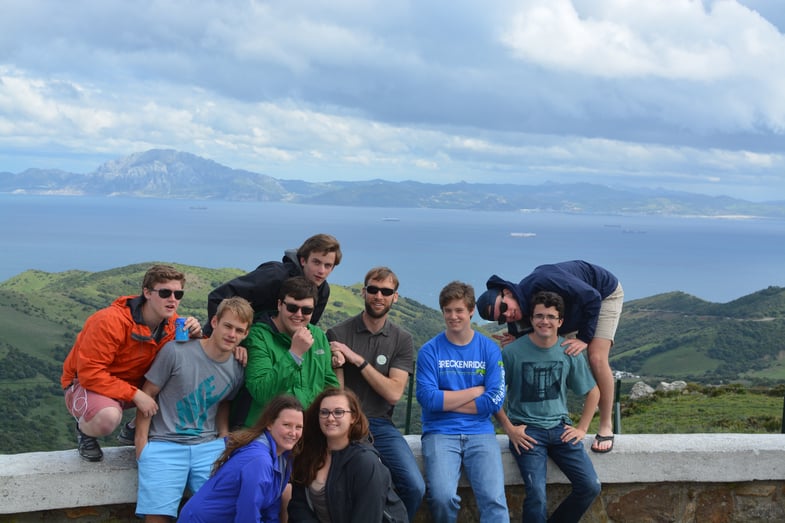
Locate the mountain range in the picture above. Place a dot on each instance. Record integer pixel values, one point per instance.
(159, 173)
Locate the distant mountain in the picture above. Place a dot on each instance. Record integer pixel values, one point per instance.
(171, 174)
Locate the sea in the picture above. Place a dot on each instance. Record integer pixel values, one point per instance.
(715, 259)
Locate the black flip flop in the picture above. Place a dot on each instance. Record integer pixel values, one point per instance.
(599, 438)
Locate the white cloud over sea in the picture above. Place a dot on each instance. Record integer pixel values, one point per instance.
(681, 94)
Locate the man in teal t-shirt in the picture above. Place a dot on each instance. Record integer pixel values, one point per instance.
(537, 421)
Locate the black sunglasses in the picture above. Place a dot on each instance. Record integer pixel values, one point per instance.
(373, 289)
(502, 308)
(291, 307)
(165, 293)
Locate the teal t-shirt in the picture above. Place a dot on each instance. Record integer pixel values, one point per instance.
(538, 380)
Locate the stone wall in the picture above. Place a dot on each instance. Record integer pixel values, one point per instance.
(718, 478)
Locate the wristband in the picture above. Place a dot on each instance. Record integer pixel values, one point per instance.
(362, 365)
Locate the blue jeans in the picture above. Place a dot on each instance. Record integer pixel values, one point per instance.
(572, 460)
(397, 456)
(479, 454)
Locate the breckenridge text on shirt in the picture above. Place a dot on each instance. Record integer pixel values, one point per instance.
(462, 364)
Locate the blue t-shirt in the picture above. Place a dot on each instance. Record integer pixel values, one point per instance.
(442, 365)
(538, 380)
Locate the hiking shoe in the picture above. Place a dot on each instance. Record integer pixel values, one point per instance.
(126, 435)
(89, 449)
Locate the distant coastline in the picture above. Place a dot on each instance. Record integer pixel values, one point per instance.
(175, 175)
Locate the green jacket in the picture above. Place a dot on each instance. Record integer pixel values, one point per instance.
(272, 370)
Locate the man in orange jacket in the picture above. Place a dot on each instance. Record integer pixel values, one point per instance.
(103, 373)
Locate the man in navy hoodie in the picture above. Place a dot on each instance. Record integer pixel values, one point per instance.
(593, 299)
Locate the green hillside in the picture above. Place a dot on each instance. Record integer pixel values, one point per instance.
(665, 337)
(678, 336)
(41, 314)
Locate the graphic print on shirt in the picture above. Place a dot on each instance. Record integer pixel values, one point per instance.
(541, 381)
(464, 367)
(193, 410)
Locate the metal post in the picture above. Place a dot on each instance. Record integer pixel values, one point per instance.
(617, 408)
(783, 416)
(408, 422)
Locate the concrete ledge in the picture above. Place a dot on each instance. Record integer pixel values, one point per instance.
(663, 458)
(54, 480)
(48, 480)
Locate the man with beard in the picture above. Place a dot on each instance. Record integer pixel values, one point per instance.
(379, 358)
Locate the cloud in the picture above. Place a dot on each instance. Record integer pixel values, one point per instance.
(677, 92)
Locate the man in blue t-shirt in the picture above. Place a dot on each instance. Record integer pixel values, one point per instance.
(537, 421)
(460, 385)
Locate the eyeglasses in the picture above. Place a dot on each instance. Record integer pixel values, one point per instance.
(549, 317)
(373, 289)
(291, 307)
(165, 293)
(337, 413)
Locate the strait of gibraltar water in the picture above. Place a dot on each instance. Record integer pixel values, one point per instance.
(714, 259)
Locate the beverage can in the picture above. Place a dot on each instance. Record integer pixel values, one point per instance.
(180, 332)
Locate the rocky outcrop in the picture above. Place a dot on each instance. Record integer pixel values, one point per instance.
(668, 387)
(640, 390)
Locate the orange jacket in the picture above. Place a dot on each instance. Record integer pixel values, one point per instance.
(114, 350)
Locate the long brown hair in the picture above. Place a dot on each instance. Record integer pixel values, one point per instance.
(243, 437)
(313, 451)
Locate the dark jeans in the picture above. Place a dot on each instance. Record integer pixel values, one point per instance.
(572, 460)
(398, 457)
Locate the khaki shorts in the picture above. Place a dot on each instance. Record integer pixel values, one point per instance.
(610, 311)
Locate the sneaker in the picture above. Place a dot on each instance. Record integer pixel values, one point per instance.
(126, 435)
(89, 448)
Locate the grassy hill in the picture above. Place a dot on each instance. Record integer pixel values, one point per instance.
(678, 336)
(41, 314)
(704, 408)
(669, 336)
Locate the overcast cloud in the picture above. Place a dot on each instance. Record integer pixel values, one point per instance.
(682, 94)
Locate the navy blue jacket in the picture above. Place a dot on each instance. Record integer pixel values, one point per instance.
(581, 285)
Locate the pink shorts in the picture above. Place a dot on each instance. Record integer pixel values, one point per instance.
(84, 404)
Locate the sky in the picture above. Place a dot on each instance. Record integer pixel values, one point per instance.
(686, 95)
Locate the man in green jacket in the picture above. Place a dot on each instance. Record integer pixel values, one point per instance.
(286, 354)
